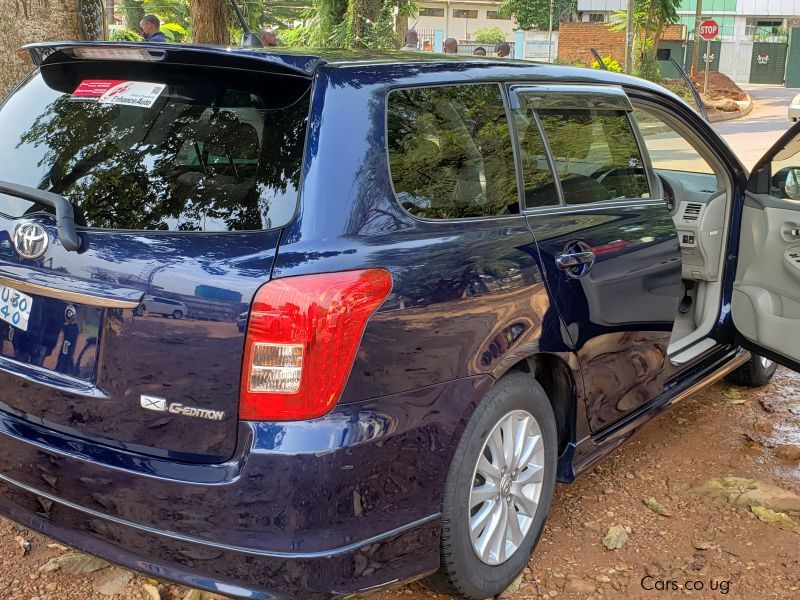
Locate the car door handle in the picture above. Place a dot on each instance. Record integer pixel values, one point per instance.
(574, 259)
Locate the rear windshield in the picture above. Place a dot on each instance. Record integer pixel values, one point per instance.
(155, 147)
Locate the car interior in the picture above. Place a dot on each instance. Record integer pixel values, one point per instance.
(698, 191)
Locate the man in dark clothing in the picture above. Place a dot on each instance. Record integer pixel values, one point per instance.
(503, 49)
(451, 46)
(151, 29)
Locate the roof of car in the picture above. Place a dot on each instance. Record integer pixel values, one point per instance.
(306, 62)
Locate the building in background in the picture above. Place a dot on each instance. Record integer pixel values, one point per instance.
(759, 20)
(461, 20)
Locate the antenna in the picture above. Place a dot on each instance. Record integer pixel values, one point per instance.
(249, 39)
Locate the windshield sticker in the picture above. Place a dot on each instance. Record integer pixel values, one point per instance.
(94, 88)
(133, 93)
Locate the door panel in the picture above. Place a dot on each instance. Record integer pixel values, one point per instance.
(766, 293)
(765, 305)
(609, 251)
(620, 314)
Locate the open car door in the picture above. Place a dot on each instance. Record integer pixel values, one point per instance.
(766, 292)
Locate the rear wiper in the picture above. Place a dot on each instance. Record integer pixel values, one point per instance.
(65, 217)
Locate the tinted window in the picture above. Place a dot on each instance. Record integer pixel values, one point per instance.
(596, 154)
(537, 177)
(215, 152)
(450, 152)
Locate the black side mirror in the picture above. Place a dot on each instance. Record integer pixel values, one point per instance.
(786, 183)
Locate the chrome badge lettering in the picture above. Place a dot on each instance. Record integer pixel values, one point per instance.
(193, 411)
(176, 408)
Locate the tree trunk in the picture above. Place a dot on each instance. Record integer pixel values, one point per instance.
(401, 28)
(210, 22)
(132, 11)
(696, 44)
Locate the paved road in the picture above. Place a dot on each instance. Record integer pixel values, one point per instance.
(754, 134)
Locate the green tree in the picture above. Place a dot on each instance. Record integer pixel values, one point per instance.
(650, 19)
(132, 12)
(492, 35)
(535, 14)
(356, 23)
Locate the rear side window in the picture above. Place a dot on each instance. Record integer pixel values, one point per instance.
(450, 152)
(184, 149)
(596, 154)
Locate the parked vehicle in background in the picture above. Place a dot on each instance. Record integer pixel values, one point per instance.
(241, 322)
(467, 279)
(794, 109)
(156, 305)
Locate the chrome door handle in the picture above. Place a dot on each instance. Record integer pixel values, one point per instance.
(575, 259)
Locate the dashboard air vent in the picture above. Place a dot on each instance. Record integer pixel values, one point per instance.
(691, 212)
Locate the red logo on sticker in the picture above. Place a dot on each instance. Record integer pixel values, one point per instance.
(94, 88)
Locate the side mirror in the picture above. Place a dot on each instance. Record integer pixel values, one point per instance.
(786, 183)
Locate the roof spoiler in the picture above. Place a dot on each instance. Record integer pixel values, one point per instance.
(297, 64)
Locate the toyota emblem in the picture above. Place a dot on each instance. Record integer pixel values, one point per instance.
(30, 240)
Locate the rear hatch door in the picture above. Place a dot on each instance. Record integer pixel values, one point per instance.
(181, 177)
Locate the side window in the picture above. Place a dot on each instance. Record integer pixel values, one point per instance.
(668, 149)
(596, 154)
(537, 177)
(450, 153)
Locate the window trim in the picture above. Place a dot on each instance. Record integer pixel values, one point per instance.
(506, 109)
(614, 91)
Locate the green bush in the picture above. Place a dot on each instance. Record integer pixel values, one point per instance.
(298, 36)
(492, 35)
(610, 63)
(124, 35)
(174, 32)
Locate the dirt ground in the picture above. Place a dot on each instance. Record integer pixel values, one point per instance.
(732, 538)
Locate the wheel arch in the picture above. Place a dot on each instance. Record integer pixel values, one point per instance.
(556, 378)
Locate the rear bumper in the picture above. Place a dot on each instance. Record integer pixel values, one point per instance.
(794, 112)
(316, 509)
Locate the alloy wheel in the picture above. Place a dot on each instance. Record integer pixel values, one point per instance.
(506, 487)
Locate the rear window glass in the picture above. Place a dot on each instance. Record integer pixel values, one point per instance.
(450, 152)
(180, 150)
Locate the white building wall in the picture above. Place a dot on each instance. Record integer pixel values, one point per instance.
(461, 28)
(601, 5)
(772, 8)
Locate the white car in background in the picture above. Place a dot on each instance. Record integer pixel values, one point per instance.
(794, 109)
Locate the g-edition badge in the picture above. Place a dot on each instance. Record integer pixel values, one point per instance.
(176, 408)
(30, 240)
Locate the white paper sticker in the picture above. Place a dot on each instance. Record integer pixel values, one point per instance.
(133, 93)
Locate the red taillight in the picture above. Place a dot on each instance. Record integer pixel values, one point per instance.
(302, 336)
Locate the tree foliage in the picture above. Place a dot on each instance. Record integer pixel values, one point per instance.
(492, 35)
(535, 14)
(650, 19)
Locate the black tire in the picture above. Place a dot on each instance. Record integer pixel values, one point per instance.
(462, 573)
(177, 314)
(753, 373)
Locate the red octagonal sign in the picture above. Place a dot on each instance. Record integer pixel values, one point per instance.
(708, 29)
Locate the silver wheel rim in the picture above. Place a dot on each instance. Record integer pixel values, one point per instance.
(506, 487)
(765, 363)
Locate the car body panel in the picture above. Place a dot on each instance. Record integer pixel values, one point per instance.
(351, 500)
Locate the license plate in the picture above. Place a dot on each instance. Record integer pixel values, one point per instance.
(15, 307)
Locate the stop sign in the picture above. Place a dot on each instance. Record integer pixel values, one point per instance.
(708, 29)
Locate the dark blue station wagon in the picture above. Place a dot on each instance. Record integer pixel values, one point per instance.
(415, 292)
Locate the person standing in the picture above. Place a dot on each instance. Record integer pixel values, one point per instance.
(450, 46)
(151, 29)
(503, 50)
(412, 42)
(268, 38)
